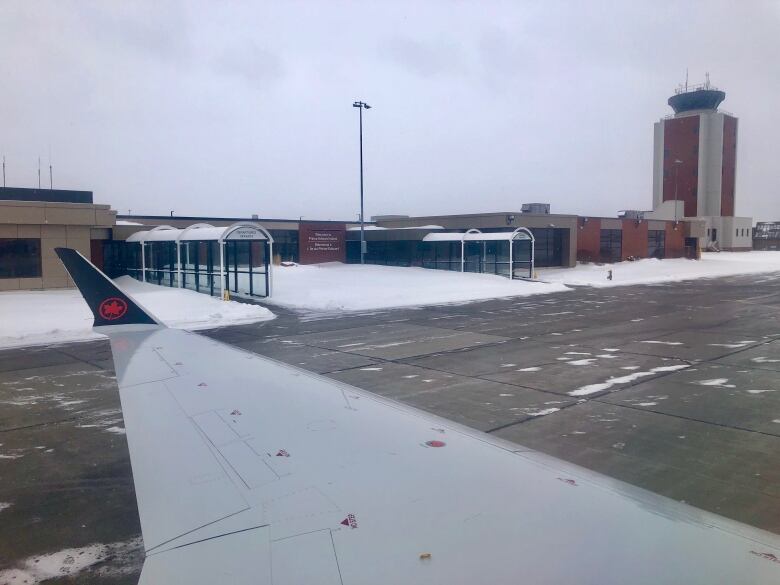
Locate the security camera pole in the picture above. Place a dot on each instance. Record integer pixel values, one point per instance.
(361, 106)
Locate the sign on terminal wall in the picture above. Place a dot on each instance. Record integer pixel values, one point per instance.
(322, 242)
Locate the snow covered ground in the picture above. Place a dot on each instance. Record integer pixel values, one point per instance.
(36, 317)
(712, 264)
(54, 316)
(352, 287)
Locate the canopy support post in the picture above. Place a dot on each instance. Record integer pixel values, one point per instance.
(511, 260)
(143, 263)
(269, 264)
(221, 269)
(178, 263)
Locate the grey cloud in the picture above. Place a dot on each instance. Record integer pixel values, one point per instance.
(250, 62)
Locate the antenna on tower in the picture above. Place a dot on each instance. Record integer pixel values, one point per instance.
(51, 174)
(39, 172)
(707, 80)
(686, 79)
(3, 171)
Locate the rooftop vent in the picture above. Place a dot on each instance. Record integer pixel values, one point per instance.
(631, 214)
(537, 208)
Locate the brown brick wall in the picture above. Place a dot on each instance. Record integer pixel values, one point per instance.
(588, 238)
(674, 240)
(681, 142)
(96, 253)
(634, 238)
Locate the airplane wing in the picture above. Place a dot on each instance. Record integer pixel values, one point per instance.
(249, 471)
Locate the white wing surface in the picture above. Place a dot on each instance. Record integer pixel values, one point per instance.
(249, 471)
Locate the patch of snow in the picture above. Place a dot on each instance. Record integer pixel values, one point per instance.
(719, 382)
(55, 316)
(759, 391)
(647, 403)
(629, 367)
(735, 345)
(663, 342)
(578, 353)
(593, 388)
(370, 369)
(764, 360)
(542, 412)
(5, 506)
(117, 430)
(67, 562)
(531, 369)
(584, 362)
(651, 270)
(335, 286)
(125, 222)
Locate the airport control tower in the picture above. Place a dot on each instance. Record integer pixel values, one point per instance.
(694, 166)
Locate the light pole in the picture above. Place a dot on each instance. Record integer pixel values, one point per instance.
(677, 163)
(361, 106)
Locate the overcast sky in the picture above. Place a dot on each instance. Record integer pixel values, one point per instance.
(234, 108)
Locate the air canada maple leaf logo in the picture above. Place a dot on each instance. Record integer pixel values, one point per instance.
(112, 308)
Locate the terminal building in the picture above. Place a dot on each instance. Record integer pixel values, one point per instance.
(694, 202)
(35, 221)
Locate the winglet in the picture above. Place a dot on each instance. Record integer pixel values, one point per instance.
(109, 304)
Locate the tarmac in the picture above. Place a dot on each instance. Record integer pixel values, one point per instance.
(672, 387)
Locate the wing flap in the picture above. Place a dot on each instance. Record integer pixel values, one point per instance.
(179, 483)
(240, 558)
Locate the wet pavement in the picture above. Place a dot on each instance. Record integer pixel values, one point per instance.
(674, 387)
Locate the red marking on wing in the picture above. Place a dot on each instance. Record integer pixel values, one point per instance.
(435, 443)
(764, 555)
(350, 521)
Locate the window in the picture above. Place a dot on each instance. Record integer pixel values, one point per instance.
(286, 245)
(20, 258)
(656, 240)
(611, 245)
(737, 234)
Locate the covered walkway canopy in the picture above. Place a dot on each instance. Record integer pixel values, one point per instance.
(205, 258)
(508, 253)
